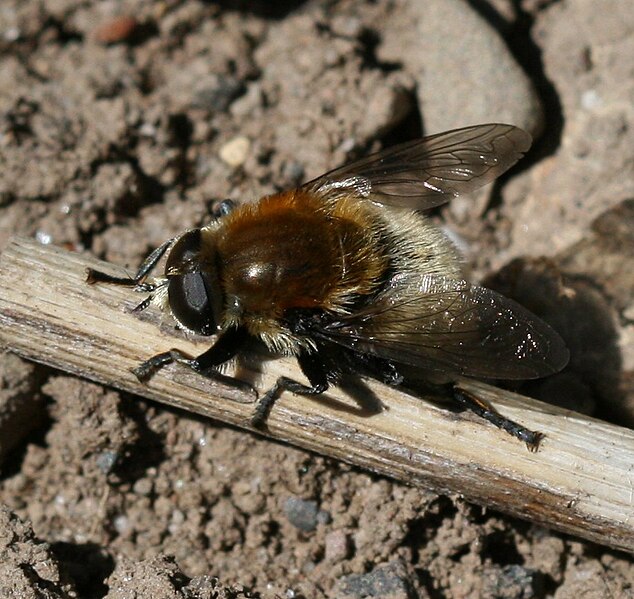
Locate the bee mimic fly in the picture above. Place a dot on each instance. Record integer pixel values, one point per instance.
(348, 276)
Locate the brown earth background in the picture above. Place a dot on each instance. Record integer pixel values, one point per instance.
(123, 122)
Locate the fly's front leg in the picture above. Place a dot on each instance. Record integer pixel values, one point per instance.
(315, 371)
(138, 281)
(206, 364)
(147, 369)
(226, 347)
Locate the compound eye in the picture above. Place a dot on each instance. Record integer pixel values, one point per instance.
(189, 301)
(184, 252)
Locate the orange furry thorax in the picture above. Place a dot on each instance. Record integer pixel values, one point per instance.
(292, 250)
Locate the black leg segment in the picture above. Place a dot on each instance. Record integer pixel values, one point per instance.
(484, 410)
(225, 348)
(96, 276)
(316, 372)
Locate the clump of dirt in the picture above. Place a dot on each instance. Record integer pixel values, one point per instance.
(123, 123)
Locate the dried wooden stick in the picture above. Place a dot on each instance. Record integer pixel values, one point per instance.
(581, 481)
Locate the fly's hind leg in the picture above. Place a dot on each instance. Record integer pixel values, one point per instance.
(315, 371)
(484, 410)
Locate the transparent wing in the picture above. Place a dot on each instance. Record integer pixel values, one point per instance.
(451, 326)
(428, 172)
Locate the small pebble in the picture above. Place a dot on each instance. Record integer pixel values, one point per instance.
(301, 513)
(347, 26)
(121, 524)
(106, 461)
(235, 151)
(217, 92)
(391, 580)
(143, 486)
(512, 582)
(119, 29)
(337, 546)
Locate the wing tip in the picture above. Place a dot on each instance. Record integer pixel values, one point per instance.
(521, 139)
